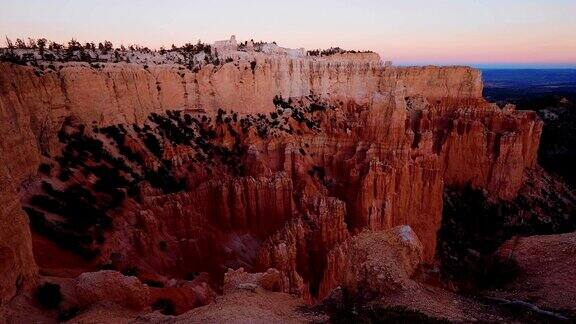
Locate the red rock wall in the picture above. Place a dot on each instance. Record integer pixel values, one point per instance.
(33, 106)
(215, 226)
(397, 157)
(17, 267)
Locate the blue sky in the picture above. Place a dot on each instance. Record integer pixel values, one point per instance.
(529, 32)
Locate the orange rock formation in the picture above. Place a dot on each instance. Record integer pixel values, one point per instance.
(396, 137)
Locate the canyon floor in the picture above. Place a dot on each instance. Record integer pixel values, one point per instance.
(246, 182)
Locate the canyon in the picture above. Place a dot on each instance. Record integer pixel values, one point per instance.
(281, 174)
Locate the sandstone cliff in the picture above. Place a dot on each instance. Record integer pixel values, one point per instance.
(398, 136)
(16, 260)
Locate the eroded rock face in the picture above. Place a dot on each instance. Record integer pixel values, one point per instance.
(270, 280)
(106, 285)
(17, 267)
(182, 296)
(300, 248)
(373, 263)
(217, 225)
(380, 159)
(112, 287)
(34, 106)
(246, 297)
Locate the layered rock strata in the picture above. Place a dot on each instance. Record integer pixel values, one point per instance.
(397, 137)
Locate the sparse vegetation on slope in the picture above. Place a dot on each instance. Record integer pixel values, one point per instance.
(101, 169)
(43, 54)
(474, 226)
(333, 50)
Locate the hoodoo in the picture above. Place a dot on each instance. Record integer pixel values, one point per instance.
(181, 167)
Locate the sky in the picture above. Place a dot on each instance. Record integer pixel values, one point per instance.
(504, 33)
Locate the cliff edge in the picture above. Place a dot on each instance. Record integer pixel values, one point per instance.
(378, 159)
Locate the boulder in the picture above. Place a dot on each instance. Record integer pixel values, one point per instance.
(112, 286)
(373, 262)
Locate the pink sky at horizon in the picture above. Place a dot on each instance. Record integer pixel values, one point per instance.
(406, 32)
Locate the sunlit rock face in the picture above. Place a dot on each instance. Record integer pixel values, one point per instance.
(305, 153)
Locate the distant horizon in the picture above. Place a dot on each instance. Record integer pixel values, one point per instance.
(497, 66)
(481, 33)
(400, 62)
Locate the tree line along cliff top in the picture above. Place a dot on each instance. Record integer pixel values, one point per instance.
(42, 53)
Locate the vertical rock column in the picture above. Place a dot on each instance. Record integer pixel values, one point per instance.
(17, 267)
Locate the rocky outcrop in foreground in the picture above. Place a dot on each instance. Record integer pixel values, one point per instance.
(373, 263)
